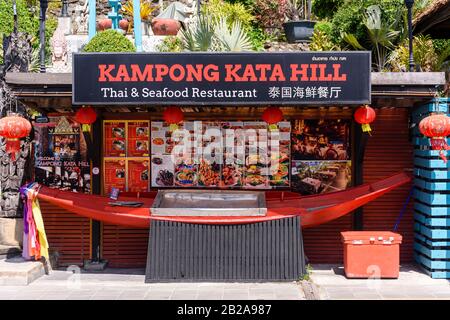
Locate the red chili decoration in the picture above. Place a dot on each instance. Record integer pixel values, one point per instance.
(13, 128)
(365, 115)
(272, 115)
(173, 116)
(437, 128)
(86, 116)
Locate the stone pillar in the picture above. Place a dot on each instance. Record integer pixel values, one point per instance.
(432, 198)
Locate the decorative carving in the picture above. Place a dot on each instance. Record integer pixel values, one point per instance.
(58, 43)
(17, 53)
(81, 17)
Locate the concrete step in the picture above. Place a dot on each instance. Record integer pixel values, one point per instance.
(19, 272)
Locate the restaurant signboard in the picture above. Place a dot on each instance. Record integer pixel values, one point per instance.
(221, 78)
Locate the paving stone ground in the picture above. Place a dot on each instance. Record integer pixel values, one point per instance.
(412, 283)
(128, 284)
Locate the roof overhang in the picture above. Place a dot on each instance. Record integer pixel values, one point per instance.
(47, 90)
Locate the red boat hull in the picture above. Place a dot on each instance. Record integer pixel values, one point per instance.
(313, 210)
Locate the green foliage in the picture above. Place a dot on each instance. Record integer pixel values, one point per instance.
(207, 34)
(440, 45)
(321, 41)
(28, 17)
(109, 41)
(324, 27)
(350, 18)
(170, 44)
(380, 38)
(217, 9)
(247, 3)
(426, 57)
(325, 9)
(237, 11)
(28, 21)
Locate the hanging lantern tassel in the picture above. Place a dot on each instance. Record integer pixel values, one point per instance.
(12, 146)
(272, 116)
(173, 116)
(365, 115)
(439, 143)
(86, 116)
(437, 128)
(366, 128)
(13, 128)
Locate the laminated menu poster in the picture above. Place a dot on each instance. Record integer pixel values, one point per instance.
(138, 139)
(61, 160)
(162, 171)
(114, 139)
(279, 152)
(313, 177)
(230, 154)
(115, 175)
(138, 175)
(257, 161)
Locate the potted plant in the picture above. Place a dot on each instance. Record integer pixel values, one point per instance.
(147, 9)
(299, 27)
(168, 22)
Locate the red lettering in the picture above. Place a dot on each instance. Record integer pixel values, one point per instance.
(211, 73)
(194, 73)
(249, 74)
(313, 76)
(337, 76)
(181, 73)
(138, 75)
(303, 71)
(277, 74)
(262, 68)
(322, 76)
(161, 71)
(122, 74)
(105, 72)
(231, 74)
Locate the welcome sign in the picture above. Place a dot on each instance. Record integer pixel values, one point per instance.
(221, 78)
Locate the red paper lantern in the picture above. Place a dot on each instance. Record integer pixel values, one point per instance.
(86, 116)
(437, 128)
(365, 115)
(272, 115)
(173, 116)
(13, 128)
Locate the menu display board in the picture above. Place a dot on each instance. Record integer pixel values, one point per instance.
(321, 156)
(114, 175)
(220, 154)
(138, 139)
(114, 139)
(61, 160)
(138, 175)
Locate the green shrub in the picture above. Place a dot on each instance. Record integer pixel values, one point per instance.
(239, 11)
(170, 44)
(217, 9)
(325, 9)
(109, 41)
(349, 18)
(324, 26)
(28, 21)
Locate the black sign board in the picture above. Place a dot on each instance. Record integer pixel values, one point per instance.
(222, 78)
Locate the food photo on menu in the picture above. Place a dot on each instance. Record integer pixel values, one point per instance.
(314, 177)
(321, 140)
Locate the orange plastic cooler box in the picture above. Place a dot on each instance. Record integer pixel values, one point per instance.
(371, 254)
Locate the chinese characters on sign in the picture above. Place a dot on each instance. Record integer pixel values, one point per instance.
(222, 78)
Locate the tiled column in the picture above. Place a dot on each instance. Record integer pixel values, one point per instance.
(432, 198)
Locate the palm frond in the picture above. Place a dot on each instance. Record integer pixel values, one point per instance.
(235, 39)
